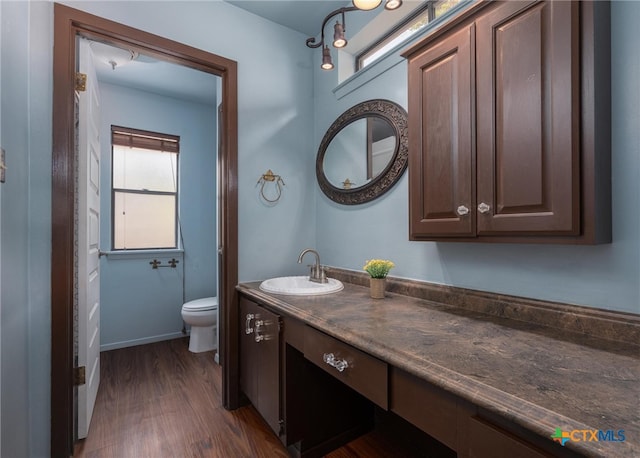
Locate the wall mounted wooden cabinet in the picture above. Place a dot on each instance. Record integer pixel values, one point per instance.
(509, 125)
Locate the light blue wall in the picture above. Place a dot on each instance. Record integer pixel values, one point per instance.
(280, 126)
(275, 117)
(275, 131)
(140, 304)
(604, 276)
(1, 321)
(26, 228)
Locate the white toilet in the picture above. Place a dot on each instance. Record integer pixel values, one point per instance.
(202, 315)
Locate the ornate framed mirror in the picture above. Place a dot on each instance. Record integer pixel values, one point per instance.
(363, 153)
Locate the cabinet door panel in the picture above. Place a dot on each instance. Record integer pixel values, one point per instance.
(267, 328)
(260, 360)
(440, 139)
(248, 352)
(528, 119)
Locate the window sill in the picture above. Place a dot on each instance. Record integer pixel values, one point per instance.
(143, 254)
(370, 72)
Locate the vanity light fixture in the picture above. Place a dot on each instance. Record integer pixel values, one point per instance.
(326, 59)
(339, 40)
(366, 5)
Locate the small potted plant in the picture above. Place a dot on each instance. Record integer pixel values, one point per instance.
(378, 270)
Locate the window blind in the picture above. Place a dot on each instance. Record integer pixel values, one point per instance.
(134, 138)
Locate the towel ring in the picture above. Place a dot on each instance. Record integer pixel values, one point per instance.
(270, 177)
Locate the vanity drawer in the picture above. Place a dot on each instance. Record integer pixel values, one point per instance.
(426, 406)
(489, 441)
(362, 372)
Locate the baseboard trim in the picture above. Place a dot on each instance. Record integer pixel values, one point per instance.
(142, 341)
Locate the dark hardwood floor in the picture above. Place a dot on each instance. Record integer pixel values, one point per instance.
(160, 400)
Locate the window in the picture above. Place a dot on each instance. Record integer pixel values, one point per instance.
(413, 25)
(144, 189)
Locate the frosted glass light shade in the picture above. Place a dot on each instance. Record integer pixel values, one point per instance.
(393, 4)
(366, 5)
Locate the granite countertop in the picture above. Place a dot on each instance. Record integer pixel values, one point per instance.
(536, 376)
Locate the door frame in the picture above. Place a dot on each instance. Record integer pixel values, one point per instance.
(68, 23)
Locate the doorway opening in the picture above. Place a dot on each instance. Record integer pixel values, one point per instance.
(68, 25)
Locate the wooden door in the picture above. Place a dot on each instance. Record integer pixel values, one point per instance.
(88, 239)
(528, 119)
(441, 147)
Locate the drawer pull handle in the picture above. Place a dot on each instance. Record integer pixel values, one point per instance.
(247, 327)
(339, 364)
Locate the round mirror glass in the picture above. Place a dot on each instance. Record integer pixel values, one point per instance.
(344, 163)
(364, 152)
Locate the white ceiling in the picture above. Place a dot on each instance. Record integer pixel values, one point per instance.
(305, 16)
(152, 75)
(149, 74)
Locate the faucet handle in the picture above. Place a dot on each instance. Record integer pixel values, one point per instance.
(322, 275)
(312, 271)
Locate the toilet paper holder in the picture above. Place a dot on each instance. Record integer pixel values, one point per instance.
(171, 263)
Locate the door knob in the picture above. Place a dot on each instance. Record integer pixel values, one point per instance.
(462, 210)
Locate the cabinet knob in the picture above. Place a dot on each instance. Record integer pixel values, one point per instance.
(462, 210)
(484, 208)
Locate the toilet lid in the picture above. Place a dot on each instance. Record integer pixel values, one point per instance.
(206, 303)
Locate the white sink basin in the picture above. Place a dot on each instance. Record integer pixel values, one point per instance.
(300, 286)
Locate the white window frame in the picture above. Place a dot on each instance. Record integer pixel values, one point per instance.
(136, 138)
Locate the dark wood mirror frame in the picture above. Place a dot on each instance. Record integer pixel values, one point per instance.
(396, 116)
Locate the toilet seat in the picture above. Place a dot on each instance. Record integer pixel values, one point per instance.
(201, 305)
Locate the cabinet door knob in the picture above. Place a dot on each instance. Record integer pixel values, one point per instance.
(483, 208)
(462, 210)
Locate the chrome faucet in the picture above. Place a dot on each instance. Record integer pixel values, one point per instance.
(317, 273)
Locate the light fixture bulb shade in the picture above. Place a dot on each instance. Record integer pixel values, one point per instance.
(327, 64)
(366, 5)
(339, 41)
(393, 4)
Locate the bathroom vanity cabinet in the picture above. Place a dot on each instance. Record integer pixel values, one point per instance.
(509, 125)
(457, 381)
(316, 412)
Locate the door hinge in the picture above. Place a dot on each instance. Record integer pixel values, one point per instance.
(79, 375)
(281, 429)
(81, 82)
